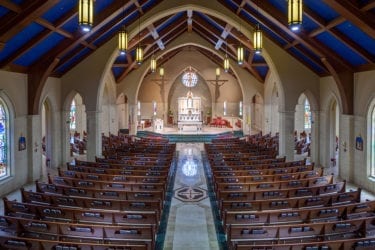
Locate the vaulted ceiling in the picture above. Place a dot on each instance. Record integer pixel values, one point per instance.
(336, 35)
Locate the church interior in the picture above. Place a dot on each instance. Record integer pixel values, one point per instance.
(165, 124)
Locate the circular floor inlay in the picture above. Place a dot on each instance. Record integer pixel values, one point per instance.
(190, 194)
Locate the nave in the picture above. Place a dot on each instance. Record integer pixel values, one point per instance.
(191, 218)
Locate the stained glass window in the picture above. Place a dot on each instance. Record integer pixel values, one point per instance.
(73, 115)
(3, 141)
(307, 115)
(189, 78)
(240, 109)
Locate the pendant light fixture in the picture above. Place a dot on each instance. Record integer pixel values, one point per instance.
(240, 54)
(295, 14)
(240, 51)
(153, 63)
(258, 37)
(123, 38)
(226, 59)
(86, 14)
(161, 72)
(139, 50)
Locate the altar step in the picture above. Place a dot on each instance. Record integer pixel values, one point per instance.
(190, 137)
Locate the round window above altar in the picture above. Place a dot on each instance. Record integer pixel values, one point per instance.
(189, 79)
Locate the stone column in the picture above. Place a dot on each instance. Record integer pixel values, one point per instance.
(94, 137)
(65, 122)
(346, 147)
(56, 140)
(314, 146)
(34, 147)
(286, 137)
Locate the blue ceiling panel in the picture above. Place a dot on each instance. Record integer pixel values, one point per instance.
(211, 22)
(302, 57)
(72, 25)
(262, 70)
(233, 6)
(171, 21)
(59, 10)
(20, 39)
(106, 36)
(322, 9)
(273, 35)
(348, 54)
(258, 58)
(117, 71)
(280, 5)
(249, 18)
(3, 11)
(78, 57)
(148, 5)
(308, 25)
(101, 5)
(357, 36)
(39, 50)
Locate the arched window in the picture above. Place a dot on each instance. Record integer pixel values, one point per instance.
(4, 140)
(372, 138)
(73, 114)
(307, 115)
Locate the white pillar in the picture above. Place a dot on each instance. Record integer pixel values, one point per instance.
(57, 133)
(33, 141)
(286, 139)
(314, 146)
(346, 147)
(65, 122)
(94, 137)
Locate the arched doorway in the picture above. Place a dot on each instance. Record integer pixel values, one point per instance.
(77, 127)
(302, 128)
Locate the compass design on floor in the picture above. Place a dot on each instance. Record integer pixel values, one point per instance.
(190, 194)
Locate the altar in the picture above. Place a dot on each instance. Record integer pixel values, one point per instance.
(189, 113)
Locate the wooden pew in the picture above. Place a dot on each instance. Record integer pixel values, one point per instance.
(124, 183)
(91, 203)
(71, 232)
(306, 232)
(99, 193)
(304, 215)
(79, 214)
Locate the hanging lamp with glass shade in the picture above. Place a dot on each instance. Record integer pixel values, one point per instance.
(226, 59)
(86, 14)
(139, 55)
(153, 64)
(123, 41)
(258, 39)
(139, 50)
(240, 55)
(161, 71)
(295, 14)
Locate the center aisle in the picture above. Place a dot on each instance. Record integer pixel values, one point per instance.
(190, 223)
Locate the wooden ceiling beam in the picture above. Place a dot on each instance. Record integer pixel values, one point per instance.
(334, 32)
(103, 18)
(34, 41)
(368, 6)
(351, 12)
(278, 18)
(273, 28)
(132, 64)
(28, 15)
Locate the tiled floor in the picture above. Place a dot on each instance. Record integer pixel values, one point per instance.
(190, 215)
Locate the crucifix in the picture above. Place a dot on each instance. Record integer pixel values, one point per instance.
(161, 83)
(217, 83)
